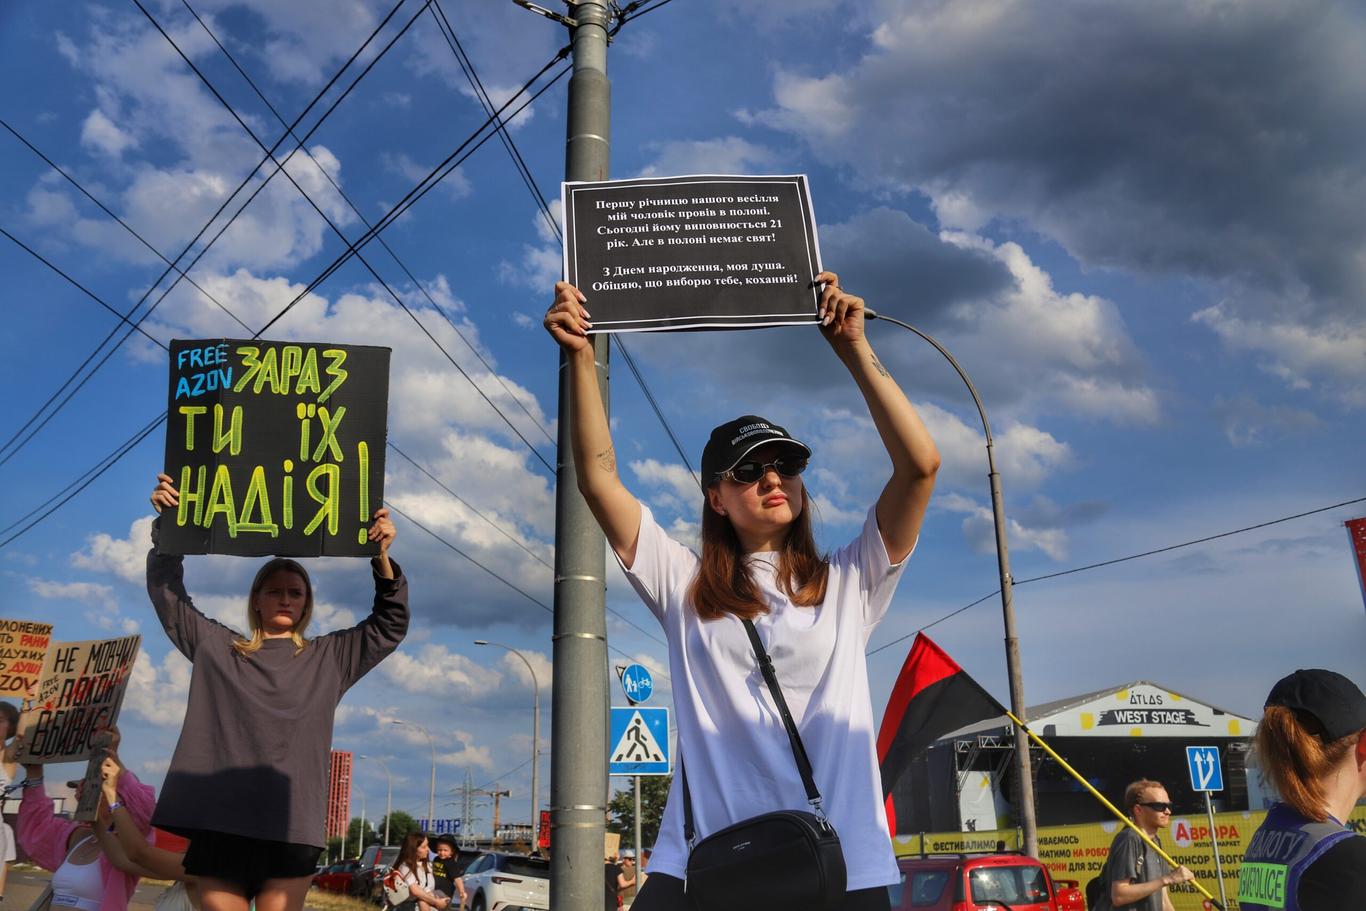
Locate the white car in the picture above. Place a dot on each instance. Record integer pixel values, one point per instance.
(508, 882)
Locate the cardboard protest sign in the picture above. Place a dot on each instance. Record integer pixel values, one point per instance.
(79, 696)
(275, 447)
(23, 645)
(692, 252)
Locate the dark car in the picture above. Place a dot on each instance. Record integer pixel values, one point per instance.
(981, 882)
(374, 863)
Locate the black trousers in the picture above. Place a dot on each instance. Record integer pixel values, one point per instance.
(665, 893)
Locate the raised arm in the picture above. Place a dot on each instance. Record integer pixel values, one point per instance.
(915, 459)
(595, 459)
(129, 839)
(185, 626)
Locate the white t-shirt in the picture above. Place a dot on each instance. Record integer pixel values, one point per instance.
(421, 877)
(730, 735)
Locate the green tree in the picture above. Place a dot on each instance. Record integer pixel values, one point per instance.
(334, 847)
(353, 834)
(400, 824)
(621, 810)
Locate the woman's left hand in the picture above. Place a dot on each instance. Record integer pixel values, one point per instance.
(840, 313)
(382, 530)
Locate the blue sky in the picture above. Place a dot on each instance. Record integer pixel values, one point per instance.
(1142, 231)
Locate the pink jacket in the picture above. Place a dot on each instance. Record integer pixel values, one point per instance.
(43, 835)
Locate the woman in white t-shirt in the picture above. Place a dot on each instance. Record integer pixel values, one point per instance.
(813, 612)
(414, 867)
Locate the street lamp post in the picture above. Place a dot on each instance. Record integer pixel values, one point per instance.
(535, 736)
(389, 795)
(1023, 766)
(431, 794)
(360, 833)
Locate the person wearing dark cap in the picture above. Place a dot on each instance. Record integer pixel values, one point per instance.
(814, 612)
(1311, 744)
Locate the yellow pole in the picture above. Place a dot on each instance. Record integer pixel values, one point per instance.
(1111, 807)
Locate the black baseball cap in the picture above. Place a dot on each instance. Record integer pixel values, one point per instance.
(1335, 703)
(734, 440)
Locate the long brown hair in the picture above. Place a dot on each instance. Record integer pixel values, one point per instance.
(407, 853)
(723, 584)
(248, 646)
(1297, 760)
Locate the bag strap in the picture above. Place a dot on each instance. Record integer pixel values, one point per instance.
(813, 795)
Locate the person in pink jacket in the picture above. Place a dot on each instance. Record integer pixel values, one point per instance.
(83, 879)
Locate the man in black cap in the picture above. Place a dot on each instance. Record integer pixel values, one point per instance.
(1311, 743)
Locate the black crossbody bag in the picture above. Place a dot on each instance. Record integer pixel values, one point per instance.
(788, 859)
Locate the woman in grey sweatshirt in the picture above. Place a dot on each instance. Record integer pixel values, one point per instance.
(248, 780)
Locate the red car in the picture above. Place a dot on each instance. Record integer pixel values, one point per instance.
(336, 878)
(981, 882)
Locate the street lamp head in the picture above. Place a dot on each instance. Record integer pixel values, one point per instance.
(481, 642)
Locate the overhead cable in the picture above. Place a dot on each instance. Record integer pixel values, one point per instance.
(1138, 556)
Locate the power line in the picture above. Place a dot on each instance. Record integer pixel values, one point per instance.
(1138, 556)
(361, 215)
(398, 210)
(467, 67)
(532, 598)
(194, 240)
(85, 480)
(337, 230)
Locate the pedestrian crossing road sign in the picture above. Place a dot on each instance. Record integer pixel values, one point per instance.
(640, 741)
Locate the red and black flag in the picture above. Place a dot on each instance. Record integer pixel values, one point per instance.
(933, 696)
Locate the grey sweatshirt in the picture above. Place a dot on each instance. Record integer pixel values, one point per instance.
(253, 753)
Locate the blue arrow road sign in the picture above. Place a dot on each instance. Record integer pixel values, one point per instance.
(640, 741)
(637, 683)
(1206, 772)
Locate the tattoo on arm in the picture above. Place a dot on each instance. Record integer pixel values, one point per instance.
(877, 365)
(607, 459)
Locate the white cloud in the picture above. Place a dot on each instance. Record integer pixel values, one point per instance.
(124, 557)
(103, 135)
(157, 693)
(88, 592)
(675, 487)
(436, 670)
(1297, 353)
(979, 529)
(725, 155)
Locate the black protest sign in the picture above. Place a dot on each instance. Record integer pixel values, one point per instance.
(275, 447)
(79, 696)
(692, 252)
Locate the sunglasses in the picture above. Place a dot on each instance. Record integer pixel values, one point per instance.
(748, 472)
(1157, 806)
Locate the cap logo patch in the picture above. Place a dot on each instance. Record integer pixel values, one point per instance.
(749, 430)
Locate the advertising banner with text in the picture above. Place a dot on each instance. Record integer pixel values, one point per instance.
(703, 252)
(275, 447)
(1078, 852)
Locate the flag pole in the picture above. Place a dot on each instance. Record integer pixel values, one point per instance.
(1111, 807)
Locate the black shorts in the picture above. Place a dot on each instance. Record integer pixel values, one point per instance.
(249, 862)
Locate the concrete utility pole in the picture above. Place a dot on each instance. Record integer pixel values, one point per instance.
(579, 705)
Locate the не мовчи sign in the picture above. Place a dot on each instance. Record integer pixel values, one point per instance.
(79, 695)
(275, 447)
(692, 252)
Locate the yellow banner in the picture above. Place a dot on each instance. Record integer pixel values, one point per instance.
(1077, 852)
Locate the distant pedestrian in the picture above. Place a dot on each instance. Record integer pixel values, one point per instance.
(1136, 877)
(248, 781)
(1311, 742)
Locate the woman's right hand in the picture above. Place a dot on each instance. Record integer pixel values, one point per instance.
(164, 494)
(110, 770)
(567, 320)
